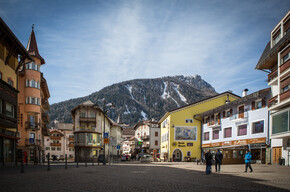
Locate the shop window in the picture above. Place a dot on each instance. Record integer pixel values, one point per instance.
(58, 148)
(235, 155)
(241, 154)
(228, 132)
(280, 122)
(215, 134)
(242, 130)
(258, 127)
(10, 110)
(206, 136)
(53, 148)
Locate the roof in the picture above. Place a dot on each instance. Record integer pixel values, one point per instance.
(20, 49)
(198, 102)
(269, 55)
(256, 95)
(32, 47)
(65, 126)
(147, 122)
(55, 131)
(128, 131)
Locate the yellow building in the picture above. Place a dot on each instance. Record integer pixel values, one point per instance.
(181, 133)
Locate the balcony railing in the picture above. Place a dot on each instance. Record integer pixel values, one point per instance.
(285, 66)
(32, 125)
(239, 116)
(55, 138)
(145, 137)
(88, 119)
(71, 139)
(273, 101)
(70, 145)
(32, 142)
(215, 123)
(285, 95)
(86, 129)
(272, 75)
(55, 144)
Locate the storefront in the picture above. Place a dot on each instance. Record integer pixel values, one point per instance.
(234, 151)
(8, 141)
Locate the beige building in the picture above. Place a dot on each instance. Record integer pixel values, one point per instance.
(89, 125)
(61, 141)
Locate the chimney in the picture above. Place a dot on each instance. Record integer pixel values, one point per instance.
(245, 92)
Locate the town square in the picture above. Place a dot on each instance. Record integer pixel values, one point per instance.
(144, 95)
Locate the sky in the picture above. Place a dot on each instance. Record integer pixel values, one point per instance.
(91, 44)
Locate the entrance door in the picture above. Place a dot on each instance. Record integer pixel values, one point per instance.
(276, 154)
(177, 155)
(241, 111)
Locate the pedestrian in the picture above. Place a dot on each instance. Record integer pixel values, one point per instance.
(248, 158)
(218, 160)
(208, 159)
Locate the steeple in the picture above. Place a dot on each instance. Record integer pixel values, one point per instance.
(32, 46)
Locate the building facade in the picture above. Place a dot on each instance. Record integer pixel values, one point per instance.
(181, 132)
(10, 50)
(33, 105)
(276, 61)
(89, 125)
(237, 126)
(148, 133)
(128, 141)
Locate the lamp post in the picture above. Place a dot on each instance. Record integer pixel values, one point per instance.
(111, 105)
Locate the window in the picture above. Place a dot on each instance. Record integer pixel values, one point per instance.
(83, 115)
(229, 113)
(47, 148)
(258, 127)
(285, 58)
(156, 142)
(189, 121)
(280, 122)
(242, 130)
(10, 82)
(215, 134)
(58, 148)
(156, 134)
(9, 110)
(228, 132)
(258, 104)
(53, 148)
(206, 136)
(188, 153)
(286, 88)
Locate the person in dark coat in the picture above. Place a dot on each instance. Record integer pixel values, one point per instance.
(218, 160)
(208, 159)
(248, 158)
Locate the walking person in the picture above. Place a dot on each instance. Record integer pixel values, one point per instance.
(248, 158)
(208, 159)
(218, 160)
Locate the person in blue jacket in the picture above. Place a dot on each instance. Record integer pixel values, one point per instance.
(248, 158)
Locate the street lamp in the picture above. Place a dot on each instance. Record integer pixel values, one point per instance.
(110, 105)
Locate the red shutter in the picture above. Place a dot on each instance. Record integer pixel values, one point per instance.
(224, 114)
(253, 105)
(263, 102)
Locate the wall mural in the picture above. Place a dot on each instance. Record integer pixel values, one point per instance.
(185, 133)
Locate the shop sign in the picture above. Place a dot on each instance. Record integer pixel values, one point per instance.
(257, 140)
(106, 140)
(174, 144)
(189, 144)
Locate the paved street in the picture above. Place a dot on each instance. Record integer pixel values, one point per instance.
(144, 177)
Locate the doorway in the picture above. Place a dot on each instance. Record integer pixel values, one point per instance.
(177, 155)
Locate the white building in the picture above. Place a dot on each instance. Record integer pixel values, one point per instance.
(237, 126)
(275, 60)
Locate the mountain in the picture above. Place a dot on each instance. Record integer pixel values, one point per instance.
(141, 98)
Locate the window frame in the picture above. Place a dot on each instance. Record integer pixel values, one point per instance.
(225, 132)
(13, 110)
(253, 127)
(238, 129)
(204, 138)
(213, 131)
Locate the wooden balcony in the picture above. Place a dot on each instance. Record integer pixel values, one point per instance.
(71, 145)
(88, 119)
(284, 66)
(55, 144)
(55, 138)
(272, 75)
(273, 101)
(285, 95)
(71, 139)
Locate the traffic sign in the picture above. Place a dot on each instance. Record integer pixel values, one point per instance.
(106, 140)
(140, 143)
(106, 135)
(118, 146)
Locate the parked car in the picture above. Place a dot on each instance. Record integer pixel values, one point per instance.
(61, 157)
(146, 158)
(123, 158)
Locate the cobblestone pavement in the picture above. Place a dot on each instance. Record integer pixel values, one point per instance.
(144, 177)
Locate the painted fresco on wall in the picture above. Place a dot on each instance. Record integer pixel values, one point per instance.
(185, 133)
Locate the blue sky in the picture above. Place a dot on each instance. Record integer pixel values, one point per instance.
(90, 44)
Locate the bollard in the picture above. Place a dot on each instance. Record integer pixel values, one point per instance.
(48, 162)
(22, 165)
(65, 161)
(86, 158)
(93, 161)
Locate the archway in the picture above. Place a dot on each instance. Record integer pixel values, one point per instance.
(177, 155)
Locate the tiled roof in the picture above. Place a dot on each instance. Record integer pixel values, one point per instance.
(32, 47)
